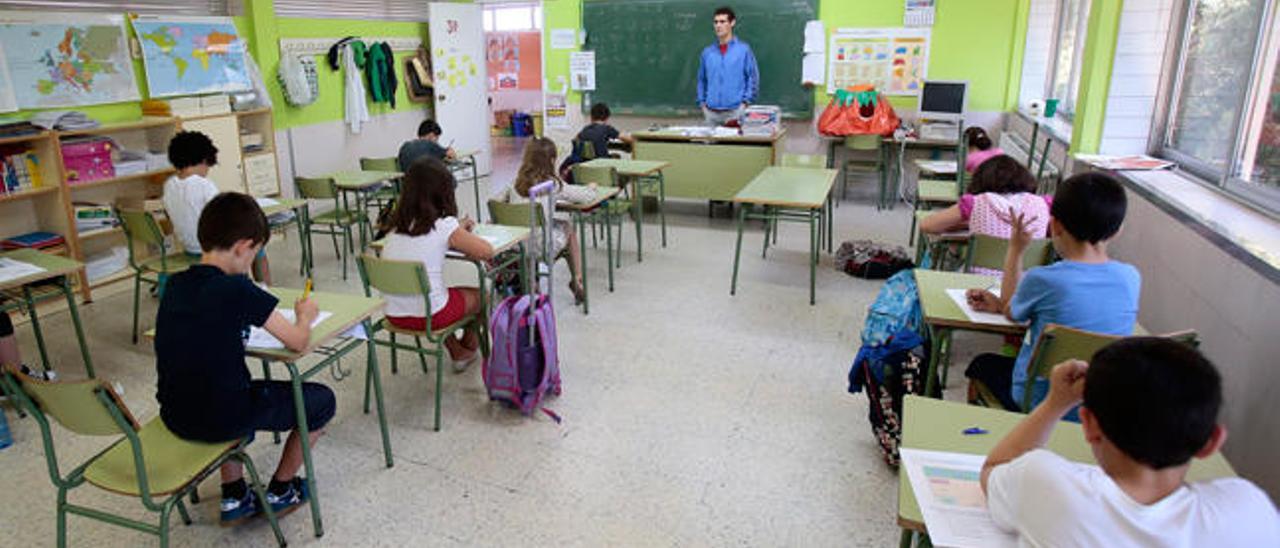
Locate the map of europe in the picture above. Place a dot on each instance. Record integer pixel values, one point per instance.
(63, 65)
(189, 58)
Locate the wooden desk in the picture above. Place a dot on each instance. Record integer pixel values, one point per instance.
(788, 194)
(463, 160)
(56, 268)
(360, 184)
(942, 316)
(302, 211)
(637, 173)
(937, 425)
(581, 213)
(348, 311)
(708, 168)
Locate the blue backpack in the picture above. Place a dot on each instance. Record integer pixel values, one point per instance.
(889, 363)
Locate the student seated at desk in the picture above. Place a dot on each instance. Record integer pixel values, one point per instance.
(1150, 406)
(1085, 290)
(425, 227)
(427, 144)
(186, 192)
(598, 133)
(539, 166)
(980, 149)
(1000, 185)
(204, 388)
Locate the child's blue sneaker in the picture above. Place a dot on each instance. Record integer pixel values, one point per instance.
(287, 498)
(235, 510)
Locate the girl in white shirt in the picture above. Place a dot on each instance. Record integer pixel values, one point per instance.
(539, 166)
(424, 227)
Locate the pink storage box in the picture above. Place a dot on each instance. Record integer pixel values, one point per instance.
(88, 160)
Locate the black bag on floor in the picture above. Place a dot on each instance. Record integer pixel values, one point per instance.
(871, 260)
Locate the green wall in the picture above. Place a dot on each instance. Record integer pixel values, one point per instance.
(260, 28)
(971, 41)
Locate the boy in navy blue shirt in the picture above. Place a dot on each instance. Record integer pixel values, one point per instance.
(1085, 290)
(204, 388)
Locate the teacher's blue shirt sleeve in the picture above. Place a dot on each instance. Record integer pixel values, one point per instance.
(702, 78)
(751, 75)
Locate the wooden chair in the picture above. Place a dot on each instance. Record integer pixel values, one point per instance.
(410, 278)
(1057, 344)
(147, 462)
(863, 144)
(337, 221)
(142, 229)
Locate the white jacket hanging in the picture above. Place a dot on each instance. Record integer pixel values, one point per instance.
(357, 112)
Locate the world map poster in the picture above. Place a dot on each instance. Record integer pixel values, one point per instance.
(67, 59)
(191, 55)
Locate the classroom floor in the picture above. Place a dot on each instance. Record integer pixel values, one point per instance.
(690, 418)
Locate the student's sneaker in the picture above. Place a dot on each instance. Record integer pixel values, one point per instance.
(294, 496)
(463, 364)
(235, 511)
(45, 375)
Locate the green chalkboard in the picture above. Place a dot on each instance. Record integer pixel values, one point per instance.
(647, 52)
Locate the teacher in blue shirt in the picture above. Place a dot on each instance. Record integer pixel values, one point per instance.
(728, 78)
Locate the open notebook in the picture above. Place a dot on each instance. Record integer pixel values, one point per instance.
(989, 318)
(260, 338)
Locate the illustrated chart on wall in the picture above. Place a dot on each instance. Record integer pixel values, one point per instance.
(894, 60)
(67, 59)
(514, 60)
(191, 55)
(458, 57)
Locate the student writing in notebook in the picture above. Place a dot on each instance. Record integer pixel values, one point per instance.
(204, 388)
(1085, 290)
(1150, 407)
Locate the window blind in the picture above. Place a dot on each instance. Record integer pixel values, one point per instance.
(391, 10)
(163, 7)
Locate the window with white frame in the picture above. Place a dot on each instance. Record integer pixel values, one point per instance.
(1066, 52)
(512, 17)
(1223, 116)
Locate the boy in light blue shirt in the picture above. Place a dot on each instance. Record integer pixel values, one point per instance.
(1085, 290)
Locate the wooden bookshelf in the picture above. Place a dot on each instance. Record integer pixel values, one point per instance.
(25, 194)
(147, 122)
(157, 174)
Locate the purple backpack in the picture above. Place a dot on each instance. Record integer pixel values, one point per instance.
(518, 371)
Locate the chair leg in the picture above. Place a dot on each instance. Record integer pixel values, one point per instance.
(395, 368)
(255, 483)
(439, 382)
(182, 511)
(164, 525)
(62, 517)
(422, 358)
(137, 290)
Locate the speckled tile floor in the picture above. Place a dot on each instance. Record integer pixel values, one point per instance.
(691, 418)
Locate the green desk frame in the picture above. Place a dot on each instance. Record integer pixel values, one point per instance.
(788, 194)
(359, 184)
(466, 160)
(58, 269)
(302, 213)
(640, 174)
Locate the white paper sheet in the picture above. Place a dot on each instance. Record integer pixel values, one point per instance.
(11, 269)
(815, 37)
(266, 202)
(990, 318)
(814, 69)
(582, 70)
(937, 166)
(564, 38)
(949, 493)
(260, 338)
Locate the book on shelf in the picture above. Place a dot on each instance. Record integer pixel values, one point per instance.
(33, 240)
(21, 172)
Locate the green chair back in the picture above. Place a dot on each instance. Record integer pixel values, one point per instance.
(393, 277)
(316, 188)
(989, 251)
(140, 226)
(585, 149)
(862, 142)
(76, 405)
(605, 176)
(815, 161)
(379, 164)
(1059, 343)
(510, 214)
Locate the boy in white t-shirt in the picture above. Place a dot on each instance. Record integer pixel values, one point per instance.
(1149, 405)
(187, 192)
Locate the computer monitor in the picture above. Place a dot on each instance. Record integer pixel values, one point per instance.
(943, 101)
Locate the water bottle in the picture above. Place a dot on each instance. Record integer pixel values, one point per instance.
(6, 439)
